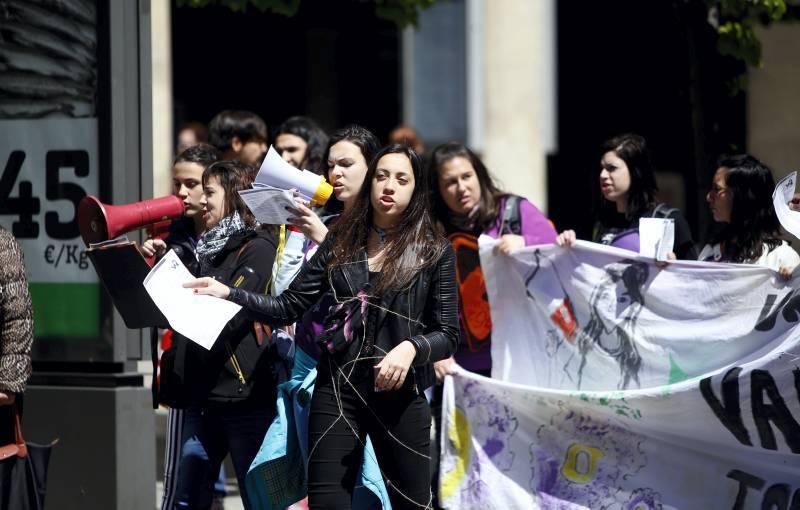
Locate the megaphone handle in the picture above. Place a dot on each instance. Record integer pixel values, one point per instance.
(157, 230)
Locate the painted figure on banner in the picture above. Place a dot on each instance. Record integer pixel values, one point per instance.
(614, 306)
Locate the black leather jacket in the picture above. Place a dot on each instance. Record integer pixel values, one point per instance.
(426, 313)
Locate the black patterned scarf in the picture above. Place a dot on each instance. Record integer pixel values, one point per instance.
(214, 240)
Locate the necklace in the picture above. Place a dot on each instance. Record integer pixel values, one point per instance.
(381, 233)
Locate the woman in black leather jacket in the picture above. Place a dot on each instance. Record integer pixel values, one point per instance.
(393, 277)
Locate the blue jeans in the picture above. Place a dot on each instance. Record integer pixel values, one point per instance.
(208, 436)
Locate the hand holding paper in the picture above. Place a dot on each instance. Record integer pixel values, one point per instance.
(198, 318)
(268, 205)
(656, 237)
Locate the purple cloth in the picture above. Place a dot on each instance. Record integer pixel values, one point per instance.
(309, 328)
(628, 240)
(535, 228)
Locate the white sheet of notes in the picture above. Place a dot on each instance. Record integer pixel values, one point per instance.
(198, 318)
(656, 237)
(268, 204)
(783, 194)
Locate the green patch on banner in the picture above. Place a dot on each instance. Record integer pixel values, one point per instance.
(676, 373)
(66, 309)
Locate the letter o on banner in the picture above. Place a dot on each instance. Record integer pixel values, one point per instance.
(580, 464)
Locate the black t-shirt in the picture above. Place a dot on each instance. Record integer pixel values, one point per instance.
(614, 235)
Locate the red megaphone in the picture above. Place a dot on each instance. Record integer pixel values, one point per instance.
(99, 222)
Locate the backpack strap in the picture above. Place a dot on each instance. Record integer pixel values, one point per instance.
(662, 211)
(511, 223)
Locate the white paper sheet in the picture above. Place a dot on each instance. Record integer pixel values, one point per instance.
(656, 237)
(198, 318)
(783, 194)
(273, 164)
(268, 204)
(278, 174)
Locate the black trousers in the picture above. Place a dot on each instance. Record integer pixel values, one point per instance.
(398, 423)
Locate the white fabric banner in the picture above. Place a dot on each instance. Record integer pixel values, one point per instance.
(619, 385)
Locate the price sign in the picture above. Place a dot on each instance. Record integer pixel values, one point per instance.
(48, 166)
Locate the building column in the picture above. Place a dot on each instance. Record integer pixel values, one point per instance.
(519, 130)
(162, 125)
(773, 111)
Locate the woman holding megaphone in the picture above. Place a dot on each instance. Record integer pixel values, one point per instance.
(346, 156)
(349, 151)
(392, 274)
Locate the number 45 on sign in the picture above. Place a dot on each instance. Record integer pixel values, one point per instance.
(26, 206)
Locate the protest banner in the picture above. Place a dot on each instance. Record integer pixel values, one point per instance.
(622, 385)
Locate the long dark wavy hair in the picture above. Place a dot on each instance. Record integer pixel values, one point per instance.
(753, 220)
(415, 243)
(641, 196)
(490, 193)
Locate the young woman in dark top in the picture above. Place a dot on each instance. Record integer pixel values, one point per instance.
(231, 391)
(394, 278)
(628, 186)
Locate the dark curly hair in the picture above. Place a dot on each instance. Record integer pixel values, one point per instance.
(244, 125)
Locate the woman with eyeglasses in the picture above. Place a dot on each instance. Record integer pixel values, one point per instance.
(740, 200)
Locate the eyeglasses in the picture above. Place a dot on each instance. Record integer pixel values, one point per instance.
(716, 191)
